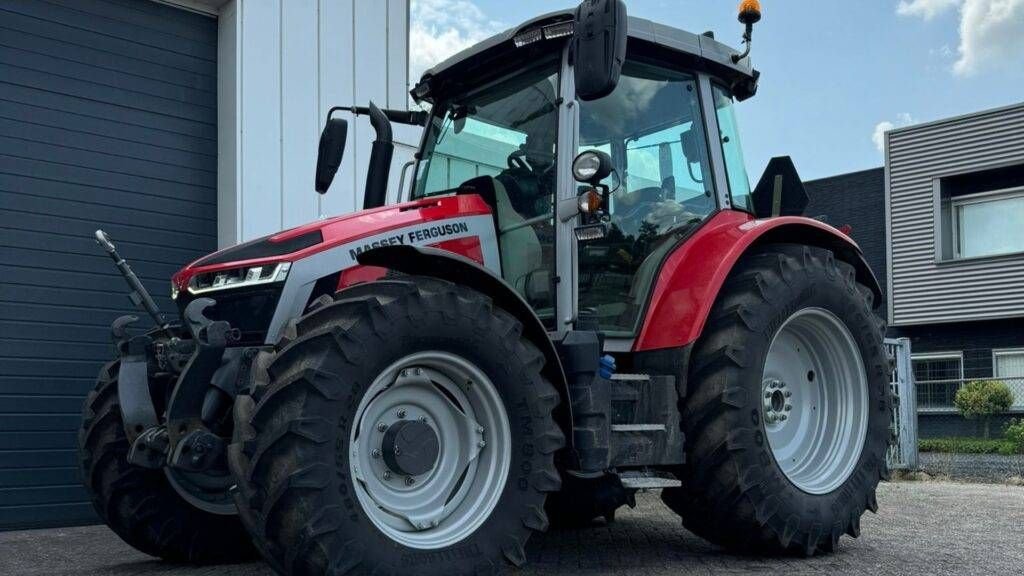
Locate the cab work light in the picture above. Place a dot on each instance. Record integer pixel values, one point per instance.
(550, 32)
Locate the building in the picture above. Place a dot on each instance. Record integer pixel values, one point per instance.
(177, 127)
(952, 212)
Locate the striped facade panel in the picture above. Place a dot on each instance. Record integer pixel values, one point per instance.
(925, 286)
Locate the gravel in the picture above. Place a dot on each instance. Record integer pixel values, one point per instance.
(922, 528)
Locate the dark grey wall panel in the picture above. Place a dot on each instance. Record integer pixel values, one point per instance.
(857, 199)
(107, 120)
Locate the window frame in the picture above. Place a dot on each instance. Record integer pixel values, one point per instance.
(944, 355)
(958, 202)
(1004, 352)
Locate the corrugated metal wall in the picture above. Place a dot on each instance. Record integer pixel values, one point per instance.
(107, 120)
(922, 290)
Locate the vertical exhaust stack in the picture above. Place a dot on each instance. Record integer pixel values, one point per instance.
(376, 192)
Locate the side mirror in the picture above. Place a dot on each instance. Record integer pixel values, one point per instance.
(332, 149)
(780, 192)
(599, 47)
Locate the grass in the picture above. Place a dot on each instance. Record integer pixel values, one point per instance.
(968, 446)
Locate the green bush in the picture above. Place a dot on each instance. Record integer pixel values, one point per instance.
(1014, 434)
(983, 399)
(966, 446)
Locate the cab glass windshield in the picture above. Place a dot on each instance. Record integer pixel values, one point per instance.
(499, 142)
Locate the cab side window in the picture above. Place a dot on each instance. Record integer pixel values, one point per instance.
(732, 150)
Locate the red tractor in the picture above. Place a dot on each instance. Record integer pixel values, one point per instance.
(579, 296)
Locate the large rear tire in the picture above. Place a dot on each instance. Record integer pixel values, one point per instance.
(140, 505)
(788, 416)
(394, 395)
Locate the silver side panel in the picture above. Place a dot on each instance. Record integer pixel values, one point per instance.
(304, 273)
(924, 288)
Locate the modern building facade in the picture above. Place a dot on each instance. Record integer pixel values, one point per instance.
(177, 127)
(952, 212)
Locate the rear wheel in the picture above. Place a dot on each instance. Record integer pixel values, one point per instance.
(789, 408)
(142, 505)
(406, 427)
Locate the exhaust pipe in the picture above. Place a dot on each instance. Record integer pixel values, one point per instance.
(377, 173)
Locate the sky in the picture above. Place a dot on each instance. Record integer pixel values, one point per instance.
(835, 75)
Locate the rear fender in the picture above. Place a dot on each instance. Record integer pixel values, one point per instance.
(692, 276)
(438, 263)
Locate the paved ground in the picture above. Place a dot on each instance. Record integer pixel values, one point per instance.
(922, 528)
(972, 467)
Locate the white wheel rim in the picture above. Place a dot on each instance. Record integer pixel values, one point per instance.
(815, 400)
(441, 506)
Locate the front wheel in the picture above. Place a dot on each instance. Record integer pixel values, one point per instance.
(789, 409)
(407, 428)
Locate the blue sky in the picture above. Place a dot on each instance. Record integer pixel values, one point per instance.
(835, 74)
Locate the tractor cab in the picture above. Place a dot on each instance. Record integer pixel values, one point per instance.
(508, 119)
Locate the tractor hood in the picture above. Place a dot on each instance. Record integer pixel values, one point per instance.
(296, 244)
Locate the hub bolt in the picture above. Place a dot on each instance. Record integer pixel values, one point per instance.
(767, 395)
(782, 417)
(409, 481)
(480, 429)
(375, 453)
(398, 451)
(382, 427)
(423, 419)
(788, 393)
(387, 475)
(481, 443)
(401, 413)
(789, 407)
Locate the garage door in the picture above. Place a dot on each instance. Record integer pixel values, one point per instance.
(107, 120)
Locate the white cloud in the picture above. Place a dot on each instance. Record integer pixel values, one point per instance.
(991, 31)
(991, 35)
(926, 9)
(441, 28)
(878, 137)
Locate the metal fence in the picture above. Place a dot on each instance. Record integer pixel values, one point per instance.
(939, 375)
(903, 451)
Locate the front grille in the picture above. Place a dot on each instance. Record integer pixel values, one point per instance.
(248, 309)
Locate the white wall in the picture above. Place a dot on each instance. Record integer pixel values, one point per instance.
(282, 64)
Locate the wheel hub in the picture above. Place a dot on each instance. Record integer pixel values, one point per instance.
(777, 404)
(410, 448)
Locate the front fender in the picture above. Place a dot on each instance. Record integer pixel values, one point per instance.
(692, 276)
(437, 263)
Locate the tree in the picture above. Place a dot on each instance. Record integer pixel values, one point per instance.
(983, 399)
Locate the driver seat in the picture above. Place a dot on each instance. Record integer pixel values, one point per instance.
(520, 248)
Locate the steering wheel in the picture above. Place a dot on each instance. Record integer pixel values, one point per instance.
(515, 161)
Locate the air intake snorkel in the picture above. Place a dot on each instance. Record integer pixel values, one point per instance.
(383, 149)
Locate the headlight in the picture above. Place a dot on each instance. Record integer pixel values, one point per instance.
(591, 166)
(238, 277)
(174, 291)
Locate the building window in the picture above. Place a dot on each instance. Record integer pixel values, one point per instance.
(937, 378)
(1008, 367)
(988, 224)
(978, 214)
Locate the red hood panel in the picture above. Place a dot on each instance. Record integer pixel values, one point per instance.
(346, 228)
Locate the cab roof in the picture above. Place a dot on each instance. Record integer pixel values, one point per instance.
(702, 49)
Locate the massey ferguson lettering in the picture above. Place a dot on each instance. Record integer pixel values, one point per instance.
(416, 236)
